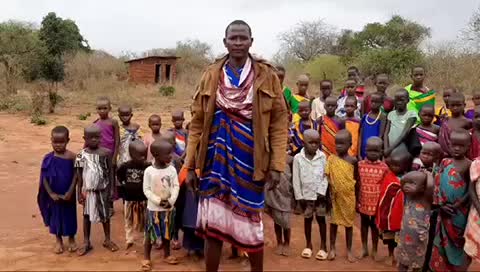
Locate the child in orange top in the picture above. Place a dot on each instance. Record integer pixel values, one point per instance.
(352, 124)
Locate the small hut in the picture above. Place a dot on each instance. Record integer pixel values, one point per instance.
(153, 69)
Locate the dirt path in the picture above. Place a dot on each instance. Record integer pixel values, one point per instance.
(26, 244)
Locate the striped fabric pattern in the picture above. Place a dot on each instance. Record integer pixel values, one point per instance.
(160, 225)
(296, 133)
(329, 131)
(425, 136)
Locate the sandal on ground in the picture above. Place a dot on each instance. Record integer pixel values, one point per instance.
(306, 253)
(72, 247)
(146, 265)
(321, 255)
(171, 260)
(110, 246)
(84, 250)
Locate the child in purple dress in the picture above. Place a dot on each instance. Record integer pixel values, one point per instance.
(110, 132)
(56, 199)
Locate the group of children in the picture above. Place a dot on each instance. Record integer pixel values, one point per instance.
(406, 173)
(117, 161)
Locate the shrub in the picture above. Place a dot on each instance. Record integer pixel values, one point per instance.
(167, 90)
(38, 120)
(83, 116)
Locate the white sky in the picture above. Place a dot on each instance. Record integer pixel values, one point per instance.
(139, 25)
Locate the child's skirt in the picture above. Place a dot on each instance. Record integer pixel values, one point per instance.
(160, 225)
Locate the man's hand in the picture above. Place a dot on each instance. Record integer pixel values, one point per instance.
(273, 179)
(192, 179)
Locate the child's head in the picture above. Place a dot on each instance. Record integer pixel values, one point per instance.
(302, 84)
(280, 71)
(91, 135)
(170, 137)
(161, 151)
(125, 114)
(330, 106)
(430, 153)
(427, 112)
(60, 137)
(311, 139)
(374, 149)
(138, 151)
(456, 104)
(353, 72)
(178, 119)
(399, 161)
(447, 93)
(326, 87)
(103, 107)
(476, 98)
(343, 142)
(376, 102)
(381, 82)
(414, 183)
(155, 123)
(304, 110)
(350, 86)
(418, 75)
(350, 106)
(460, 141)
(401, 99)
(476, 118)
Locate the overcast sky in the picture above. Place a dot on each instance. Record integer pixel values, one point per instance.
(118, 25)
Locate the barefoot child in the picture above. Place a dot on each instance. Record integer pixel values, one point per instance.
(95, 182)
(472, 237)
(278, 203)
(452, 197)
(475, 147)
(417, 188)
(342, 173)
(154, 123)
(300, 126)
(399, 123)
(180, 133)
(426, 131)
(129, 132)
(386, 105)
(110, 133)
(350, 88)
(456, 104)
(476, 102)
(372, 124)
(318, 104)
(56, 199)
(330, 124)
(130, 176)
(352, 124)
(371, 171)
(390, 204)
(310, 188)
(160, 186)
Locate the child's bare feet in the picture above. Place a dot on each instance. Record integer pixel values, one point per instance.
(364, 253)
(286, 251)
(351, 258)
(390, 261)
(278, 250)
(176, 245)
(146, 265)
(331, 255)
(87, 247)
(108, 244)
(375, 256)
(58, 248)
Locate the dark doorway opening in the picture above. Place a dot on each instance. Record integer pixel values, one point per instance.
(168, 68)
(158, 73)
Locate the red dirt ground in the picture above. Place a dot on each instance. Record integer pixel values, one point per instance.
(27, 245)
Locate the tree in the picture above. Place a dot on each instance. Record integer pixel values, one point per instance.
(60, 37)
(471, 34)
(308, 40)
(391, 47)
(19, 48)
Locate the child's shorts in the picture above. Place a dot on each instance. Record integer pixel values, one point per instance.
(389, 238)
(160, 225)
(312, 208)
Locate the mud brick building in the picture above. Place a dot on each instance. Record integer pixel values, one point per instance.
(153, 70)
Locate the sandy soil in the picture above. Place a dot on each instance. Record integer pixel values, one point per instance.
(25, 243)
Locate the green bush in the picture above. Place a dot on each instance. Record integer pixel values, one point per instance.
(83, 116)
(326, 67)
(166, 90)
(38, 120)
